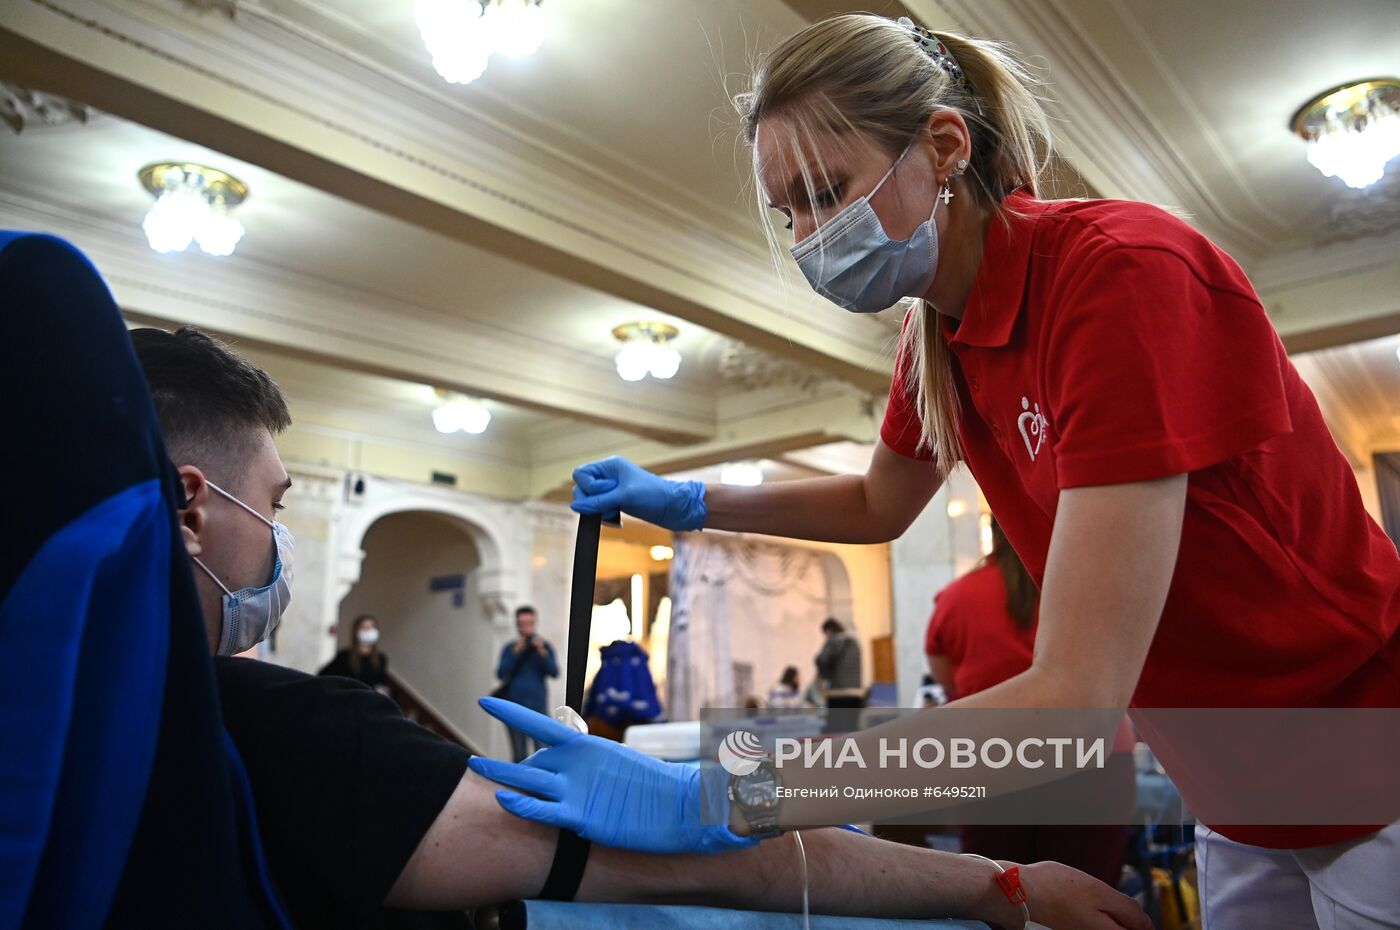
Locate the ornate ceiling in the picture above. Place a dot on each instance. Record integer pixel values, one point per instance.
(488, 237)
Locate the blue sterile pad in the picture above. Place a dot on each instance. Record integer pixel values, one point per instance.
(563, 915)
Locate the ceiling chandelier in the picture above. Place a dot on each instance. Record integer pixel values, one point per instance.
(461, 35)
(192, 205)
(646, 350)
(457, 412)
(1352, 130)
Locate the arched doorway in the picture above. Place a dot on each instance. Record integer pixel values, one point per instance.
(420, 577)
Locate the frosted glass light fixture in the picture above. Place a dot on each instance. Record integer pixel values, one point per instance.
(193, 204)
(515, 27)
(455, 37)
(1352, 131)
(646, 350)
(457, 412)
(462, 35)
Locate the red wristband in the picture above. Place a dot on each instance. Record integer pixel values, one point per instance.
(1010, 882)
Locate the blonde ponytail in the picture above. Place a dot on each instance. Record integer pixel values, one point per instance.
(866, 74)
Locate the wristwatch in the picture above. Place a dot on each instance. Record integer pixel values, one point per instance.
(755, 795)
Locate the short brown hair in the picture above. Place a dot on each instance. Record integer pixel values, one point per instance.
(210, 400)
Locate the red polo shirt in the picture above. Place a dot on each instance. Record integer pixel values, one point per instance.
(973, 629)
(1107, 342)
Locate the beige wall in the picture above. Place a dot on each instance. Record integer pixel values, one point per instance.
(326, 444)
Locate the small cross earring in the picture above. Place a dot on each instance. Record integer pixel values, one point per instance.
(947, 193)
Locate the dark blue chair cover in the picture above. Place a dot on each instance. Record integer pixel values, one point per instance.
(120, 803)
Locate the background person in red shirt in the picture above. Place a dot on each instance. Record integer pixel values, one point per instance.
(1113, 383)
(982, 632)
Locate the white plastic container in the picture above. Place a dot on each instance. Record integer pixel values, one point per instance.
(673, 742)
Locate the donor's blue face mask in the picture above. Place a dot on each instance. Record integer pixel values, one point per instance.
(251, 614)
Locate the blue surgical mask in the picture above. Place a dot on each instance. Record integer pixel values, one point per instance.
(251, 614)
(852, 263)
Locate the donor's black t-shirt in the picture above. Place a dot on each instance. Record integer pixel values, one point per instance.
(344, 786)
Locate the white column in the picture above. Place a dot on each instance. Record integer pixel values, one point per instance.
(553, 530)
(932, 552)
(314, 506)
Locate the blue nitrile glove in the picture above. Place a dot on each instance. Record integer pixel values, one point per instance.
(616, 484)
(608, 793)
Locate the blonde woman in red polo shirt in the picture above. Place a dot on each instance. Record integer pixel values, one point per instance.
(1107, 374)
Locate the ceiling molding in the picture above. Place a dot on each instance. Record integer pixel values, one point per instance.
(1108, 132)
(1316, 263)
(288, 312)
(1325, 309)
(752, 433)
(228, 7)
(305, 443)
(1343, 334)
(341, 416)
(731, 408)
(746, 368)
(407, 76)
(1356, 217)
(814, 10)
(23, 108)
(1202, 129)
(834, 459)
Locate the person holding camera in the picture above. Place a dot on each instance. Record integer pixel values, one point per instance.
(525, 663)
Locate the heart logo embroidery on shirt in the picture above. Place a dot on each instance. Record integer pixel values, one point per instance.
(1032, 426)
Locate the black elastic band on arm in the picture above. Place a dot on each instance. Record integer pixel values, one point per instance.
(566, 872)
(571, 853)
(581, 607)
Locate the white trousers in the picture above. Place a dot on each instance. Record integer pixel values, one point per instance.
(1346, 886)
